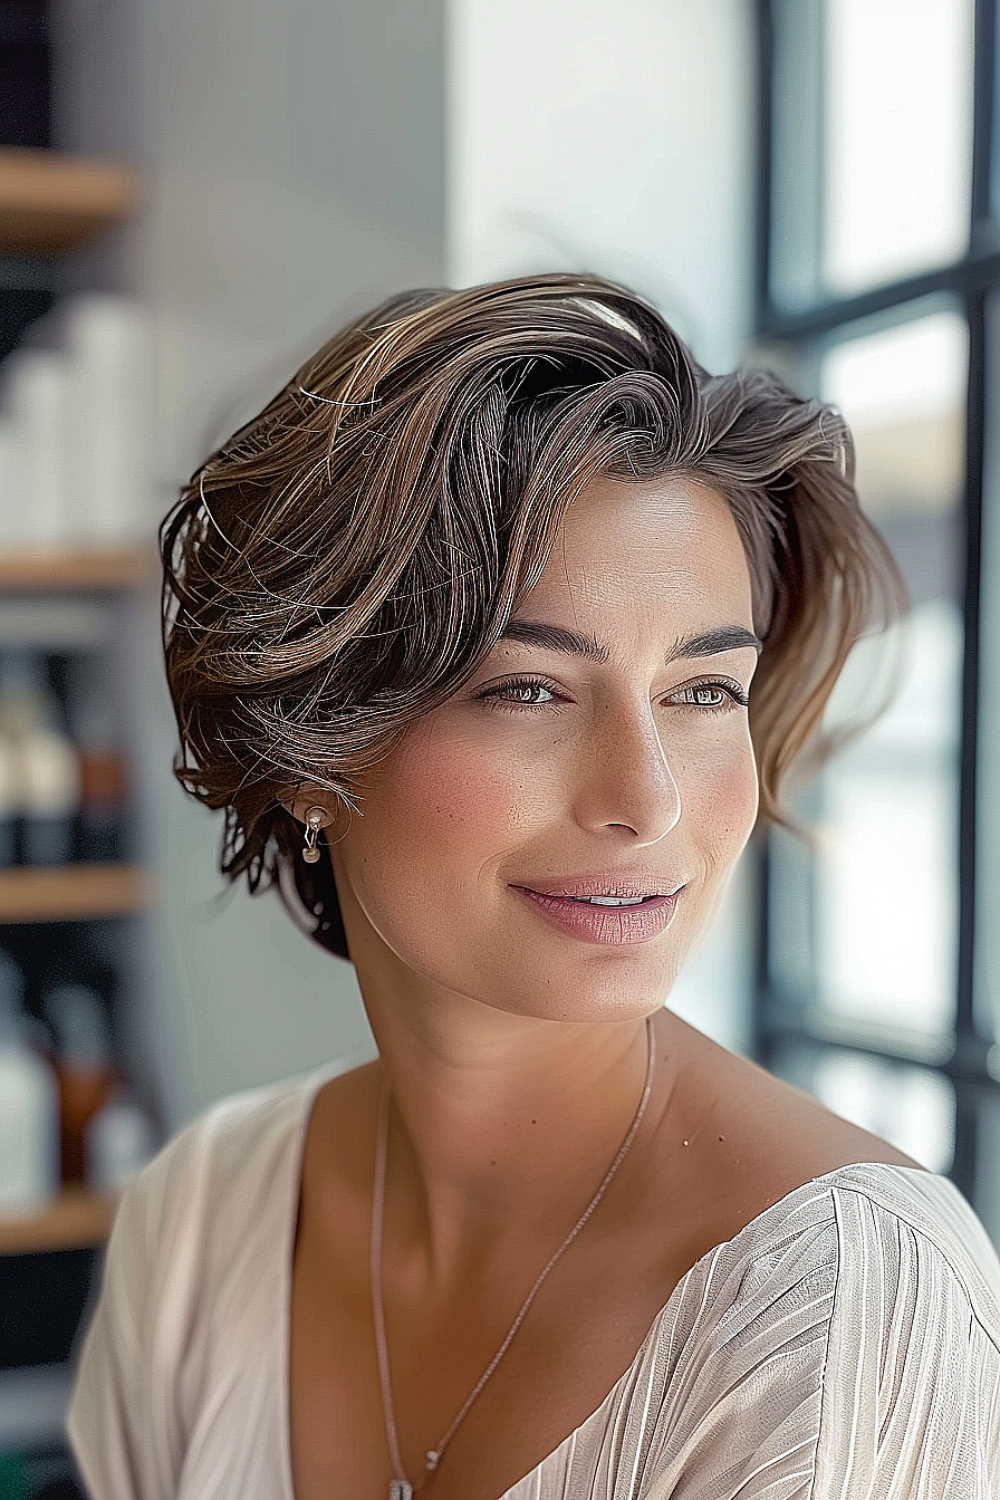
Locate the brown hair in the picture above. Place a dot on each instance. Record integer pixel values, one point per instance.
(345, 560)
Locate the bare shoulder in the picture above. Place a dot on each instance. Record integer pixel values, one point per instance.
(802, 1129)
(737, 1139)
(773, 1132)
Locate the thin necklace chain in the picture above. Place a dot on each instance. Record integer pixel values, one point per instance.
(401, 1489)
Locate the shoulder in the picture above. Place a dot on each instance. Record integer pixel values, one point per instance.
(192, 1266)
(894, 1222)
(911, 1377)
(230, 1141)
(846, 1337)
(822, 1270)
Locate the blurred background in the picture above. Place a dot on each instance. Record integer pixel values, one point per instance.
(192, 195)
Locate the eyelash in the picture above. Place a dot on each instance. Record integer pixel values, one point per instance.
(493, 696)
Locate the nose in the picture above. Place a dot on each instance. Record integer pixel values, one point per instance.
(631, 779)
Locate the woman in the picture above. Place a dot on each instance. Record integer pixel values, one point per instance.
(494, 634)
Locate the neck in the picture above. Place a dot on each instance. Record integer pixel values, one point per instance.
(494, 1152)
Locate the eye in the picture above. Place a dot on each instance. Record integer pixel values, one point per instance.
(717, 696)
(501, 695)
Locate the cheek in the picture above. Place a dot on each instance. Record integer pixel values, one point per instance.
(723, 806)
(443, 794)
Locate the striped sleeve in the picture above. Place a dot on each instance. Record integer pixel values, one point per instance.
(911, 1383)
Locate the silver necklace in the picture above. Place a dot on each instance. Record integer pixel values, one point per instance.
(400, 1487)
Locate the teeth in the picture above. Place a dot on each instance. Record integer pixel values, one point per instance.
(609, 900)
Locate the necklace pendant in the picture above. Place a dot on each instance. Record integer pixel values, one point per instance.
(400, 1489)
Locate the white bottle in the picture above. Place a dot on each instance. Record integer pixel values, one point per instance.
(29, 1119)
(48, 764)
(117, 1143)
(15, 524)
(36, 392)
(110, 429)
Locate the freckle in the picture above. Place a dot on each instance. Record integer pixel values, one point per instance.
(493, 1161)
(534, 1122)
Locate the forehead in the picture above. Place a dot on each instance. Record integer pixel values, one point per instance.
(625, 544)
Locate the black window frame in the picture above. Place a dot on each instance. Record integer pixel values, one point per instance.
(776, 1019)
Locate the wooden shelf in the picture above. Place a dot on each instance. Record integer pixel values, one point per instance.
(76, 1219)
(50, 203)
(108, 568)
(71, 893)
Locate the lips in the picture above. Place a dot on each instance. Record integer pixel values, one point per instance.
(617, 926)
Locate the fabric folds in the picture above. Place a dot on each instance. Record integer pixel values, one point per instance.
(844, 1345)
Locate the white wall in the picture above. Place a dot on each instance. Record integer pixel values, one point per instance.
(302, 161)
(612, 138)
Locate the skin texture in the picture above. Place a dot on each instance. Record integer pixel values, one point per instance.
(516, 1055)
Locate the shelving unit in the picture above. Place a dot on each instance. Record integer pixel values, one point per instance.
(117, 568)
(51, 203)
(85, 919)
(77, 1219)
(73, 893)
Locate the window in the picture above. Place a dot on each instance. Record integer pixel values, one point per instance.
(878, 288)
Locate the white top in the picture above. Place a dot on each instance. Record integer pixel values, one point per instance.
(844, 1345)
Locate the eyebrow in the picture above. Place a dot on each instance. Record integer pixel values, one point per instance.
(572, 643)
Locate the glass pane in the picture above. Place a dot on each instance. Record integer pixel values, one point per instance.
(911, 1108)
(876, 901)
(902, 389)
(887, 918)
(873, 141)
(986, 1194)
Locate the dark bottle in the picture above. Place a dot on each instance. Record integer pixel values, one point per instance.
(84, 1067)
(103, 768)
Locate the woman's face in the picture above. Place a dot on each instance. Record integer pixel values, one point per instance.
(641, 763)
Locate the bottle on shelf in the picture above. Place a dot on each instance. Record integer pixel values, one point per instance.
(48, 768)
(95, 729)
(107, 339)
(10, 800)
(118, 1141)
(84, 1067)
(36, 396)
(103, 341)
(29, 1119)
(11, 485)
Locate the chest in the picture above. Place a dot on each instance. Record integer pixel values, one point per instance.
(567, 1355)
(581, 1334)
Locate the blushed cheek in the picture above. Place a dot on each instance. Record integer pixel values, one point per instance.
(727, 807)
(448, 798)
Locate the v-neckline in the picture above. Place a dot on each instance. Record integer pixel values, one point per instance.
(311, 1086)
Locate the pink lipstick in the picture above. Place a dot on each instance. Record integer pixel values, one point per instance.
(604, 924)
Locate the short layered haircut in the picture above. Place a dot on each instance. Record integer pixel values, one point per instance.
(342, 564)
